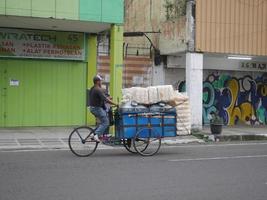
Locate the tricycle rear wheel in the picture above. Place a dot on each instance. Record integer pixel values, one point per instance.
(129, 146)
(147, 142)
(127, 143)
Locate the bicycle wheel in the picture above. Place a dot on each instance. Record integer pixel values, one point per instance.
(147, 142)
(127, 143)
(81, 142)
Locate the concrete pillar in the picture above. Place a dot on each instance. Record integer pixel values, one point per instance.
(194, 87)
(91, 70)
(116, 61)
(158, 75)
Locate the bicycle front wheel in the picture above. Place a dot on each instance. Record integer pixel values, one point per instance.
(81, 141)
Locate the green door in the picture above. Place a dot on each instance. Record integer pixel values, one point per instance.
(44, 93)
(3, 88)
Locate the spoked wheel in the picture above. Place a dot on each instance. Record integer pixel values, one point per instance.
(147, 142)
(81, 141)
(128, 144)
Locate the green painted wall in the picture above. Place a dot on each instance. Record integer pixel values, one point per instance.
(50, 93)
(2, 6)
(110, 11)
(42, 8)
(90, 10)
(67, 9)
(17, 7)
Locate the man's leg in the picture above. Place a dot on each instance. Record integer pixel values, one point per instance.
(102, 116)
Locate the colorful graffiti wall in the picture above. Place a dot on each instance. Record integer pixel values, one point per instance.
(238, 100)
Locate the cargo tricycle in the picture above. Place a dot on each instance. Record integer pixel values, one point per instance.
(138, 128)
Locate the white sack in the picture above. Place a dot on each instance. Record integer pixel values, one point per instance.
(165, 93)
(153, 96)
(140, 95)
(181, 103)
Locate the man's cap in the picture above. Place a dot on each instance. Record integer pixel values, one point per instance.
(97, 78)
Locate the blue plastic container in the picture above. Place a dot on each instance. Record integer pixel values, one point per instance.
(156, 121)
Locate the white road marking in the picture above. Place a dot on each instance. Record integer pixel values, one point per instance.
(60, 148)
(217, 158)
(216, 145)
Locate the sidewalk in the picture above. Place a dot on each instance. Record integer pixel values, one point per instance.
(34, 138)
(57, 137)
(234, 133)
(37, 138)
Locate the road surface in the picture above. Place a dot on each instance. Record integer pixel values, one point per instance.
(187, 172)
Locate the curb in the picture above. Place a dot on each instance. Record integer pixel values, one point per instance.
(166, 142)
(185, 140)
(229, 138)
(46, 148)
(195, 138)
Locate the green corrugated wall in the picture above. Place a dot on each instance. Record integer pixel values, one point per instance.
(2, 93)
(50, 93)
(110, 11)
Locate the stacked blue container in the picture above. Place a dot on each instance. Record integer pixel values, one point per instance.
(161, 119)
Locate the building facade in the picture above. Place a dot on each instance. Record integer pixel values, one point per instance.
(48, 56)
(215, 50)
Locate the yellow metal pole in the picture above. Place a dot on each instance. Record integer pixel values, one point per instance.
(116, 62)
(91, 70)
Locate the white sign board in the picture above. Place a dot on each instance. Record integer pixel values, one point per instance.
(258, 66)
(14, 82)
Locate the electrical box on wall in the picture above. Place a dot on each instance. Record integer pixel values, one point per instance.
(176, 61)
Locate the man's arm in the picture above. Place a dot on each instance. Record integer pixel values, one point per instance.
(107, 99)
(110, 101)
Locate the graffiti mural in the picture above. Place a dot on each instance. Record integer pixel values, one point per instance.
(238, 100)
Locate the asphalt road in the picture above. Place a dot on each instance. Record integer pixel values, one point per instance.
(190, 172)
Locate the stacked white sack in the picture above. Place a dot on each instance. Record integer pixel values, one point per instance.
(181, 103)
(153, 96)
(140, 95)
(165, 93)
(149, 95)
(126, 95)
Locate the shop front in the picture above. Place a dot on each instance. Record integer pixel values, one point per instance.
(236, 89)
(42, 78)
